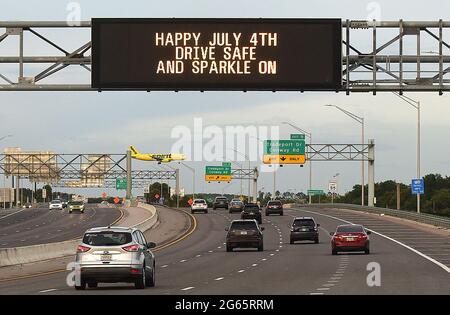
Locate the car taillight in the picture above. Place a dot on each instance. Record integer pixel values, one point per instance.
(362, 236)
(82, 249)
(338, 238)
(131, 248)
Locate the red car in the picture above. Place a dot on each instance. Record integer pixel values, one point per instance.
(350, 238)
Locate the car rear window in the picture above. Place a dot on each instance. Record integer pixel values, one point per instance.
(236, 203)
(350, 229)
(248, 225)
(304, 222)
(199, 201)
(76, 203)
(275, 203)
(107, 238)
(251, 206)
(221, 199)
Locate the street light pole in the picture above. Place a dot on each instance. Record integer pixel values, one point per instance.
(416, 105)
(361, 121)
(4, 179)
(193, 178)
(309, 135)
(249, 180)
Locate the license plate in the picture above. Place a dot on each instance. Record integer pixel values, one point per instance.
(251, 213)
(105, 257)
(350, 239)
(243, 232)
(305, 230)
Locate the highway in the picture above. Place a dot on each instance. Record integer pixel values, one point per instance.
(39, 225)
(199, 264)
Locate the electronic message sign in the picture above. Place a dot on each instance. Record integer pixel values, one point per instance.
(216, 54)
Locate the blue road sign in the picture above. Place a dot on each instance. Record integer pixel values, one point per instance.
(418, 186)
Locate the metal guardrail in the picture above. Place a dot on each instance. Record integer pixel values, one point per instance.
(408, 215)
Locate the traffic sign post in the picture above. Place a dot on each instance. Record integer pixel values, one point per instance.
(315, 192)
(121, 184)
(332, 188)
(297, 136)
(418, 186)
(218, 173)
(285, 151)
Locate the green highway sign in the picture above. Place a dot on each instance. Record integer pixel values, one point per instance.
(226, 164)
(284, 147)
(218, 170)
(315, 192)
(121, 183)
(297, 136)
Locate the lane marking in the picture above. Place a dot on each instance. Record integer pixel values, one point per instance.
(434, 261)
(316, 293)
(254, 265)
(218, 279)
(242, 270)
(183, 260)
(164, 266)
(323, 289)
(188, 288)
(8, 215)
(49, 290)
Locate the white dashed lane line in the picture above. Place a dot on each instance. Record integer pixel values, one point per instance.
(187, 288)
(48, 290)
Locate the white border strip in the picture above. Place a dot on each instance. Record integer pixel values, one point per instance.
(434, 261)
(8, 215)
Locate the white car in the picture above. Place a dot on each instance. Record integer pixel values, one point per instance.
(55, 204)
(199, 205)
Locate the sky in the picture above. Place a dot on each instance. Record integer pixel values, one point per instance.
(108, 122)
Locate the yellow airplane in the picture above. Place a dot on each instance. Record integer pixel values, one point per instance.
(160, 158)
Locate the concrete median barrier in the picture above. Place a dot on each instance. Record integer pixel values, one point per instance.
(34, 253)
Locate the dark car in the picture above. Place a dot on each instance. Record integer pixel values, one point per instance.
(350, 238)
(252, 211)
(236, 206)
(220, 202)
(304, 229)
(274, 207)
(244, 234)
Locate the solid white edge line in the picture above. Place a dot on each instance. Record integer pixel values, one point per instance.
(8, 215)
(49, 290)
(391, 239)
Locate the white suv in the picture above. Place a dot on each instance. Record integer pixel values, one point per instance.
(199, 205)
(55, 204)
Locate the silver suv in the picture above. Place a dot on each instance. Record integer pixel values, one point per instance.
(115, 254)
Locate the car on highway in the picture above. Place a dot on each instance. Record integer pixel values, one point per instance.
(115, 254)
(64, 203)
(27, 205)
(244, 234)
(220, 202)
(55, 204)
(76, 205)
(350, 238)
(235, 206)
(274, 207)
(252, 211)
(304, 229)
(199, 205)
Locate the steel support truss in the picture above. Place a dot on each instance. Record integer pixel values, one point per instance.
(337, 152)
(76, 170)
(377, 56)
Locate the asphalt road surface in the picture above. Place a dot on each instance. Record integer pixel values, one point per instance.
(200, 265)
(40, 225)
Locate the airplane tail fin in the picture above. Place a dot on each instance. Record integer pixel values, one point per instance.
(133, 150)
